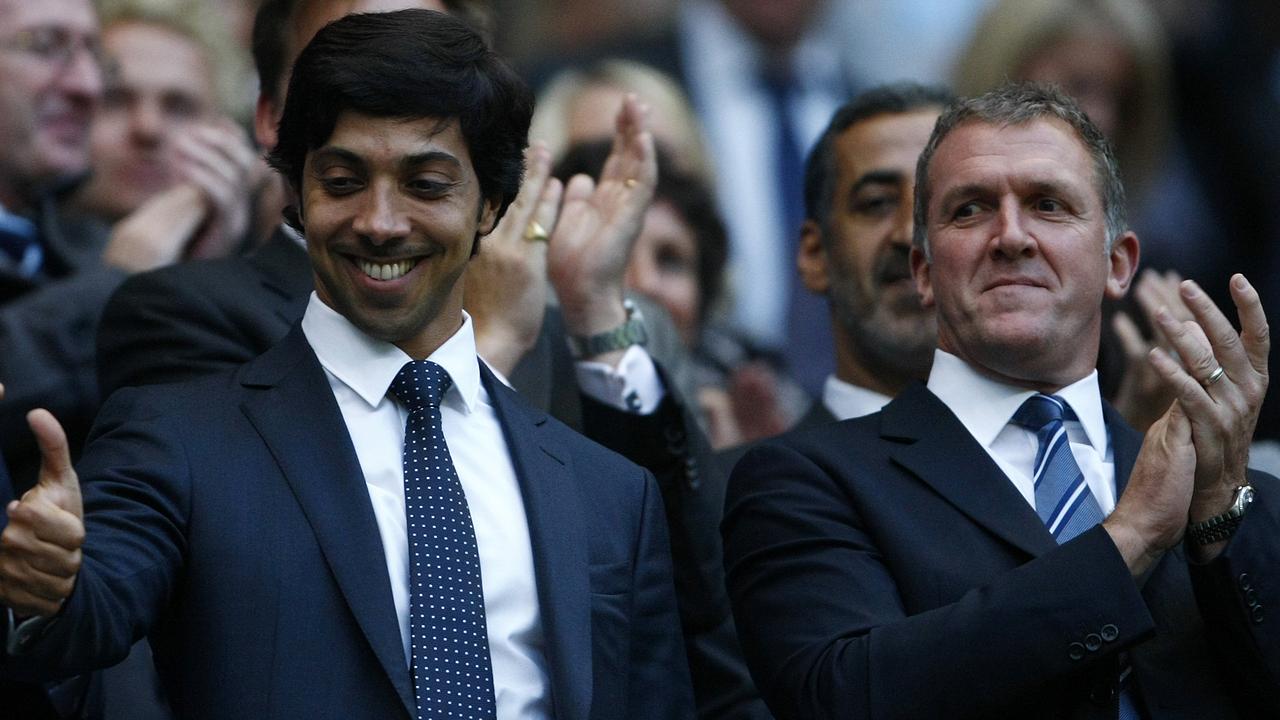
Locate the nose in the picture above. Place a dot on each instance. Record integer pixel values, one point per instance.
(380, 218)
(904, 221)
(81, 78)
(1012, 239)
(146, 126)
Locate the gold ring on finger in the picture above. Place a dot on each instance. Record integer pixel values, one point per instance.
(534, 232)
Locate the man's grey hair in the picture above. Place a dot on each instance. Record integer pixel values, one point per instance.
(1019, 104)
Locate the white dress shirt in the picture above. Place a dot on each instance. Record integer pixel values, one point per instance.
(985, 407)
(845, 400)
(360, 370)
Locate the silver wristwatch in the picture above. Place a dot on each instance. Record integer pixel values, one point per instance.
(1222, 527)
(631, 332)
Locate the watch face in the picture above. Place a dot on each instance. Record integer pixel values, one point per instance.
(1246, 497)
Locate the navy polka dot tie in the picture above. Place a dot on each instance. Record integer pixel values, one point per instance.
(452, 674)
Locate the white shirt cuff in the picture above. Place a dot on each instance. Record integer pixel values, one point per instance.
(634, 386)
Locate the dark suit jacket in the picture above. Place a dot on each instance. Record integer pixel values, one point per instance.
(46, 335)
(188, 320)
(884, 567)
(227, 518)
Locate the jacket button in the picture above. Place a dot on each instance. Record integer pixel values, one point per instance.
(1244, 581)
(1251, 597)
(1257, 615)
(1092, 642)
(1110, 632)
(1075, 651)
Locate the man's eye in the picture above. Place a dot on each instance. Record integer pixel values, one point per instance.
(967, 210)
(429, 187)
(1049, 205)
(876, 205)
(340, 184)
(183, 107)
(672, 261)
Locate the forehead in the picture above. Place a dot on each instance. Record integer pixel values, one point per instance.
(1044, 150)
(889, 141)
(150, 53)
(311, 15)
(71, 14)
(378, 140)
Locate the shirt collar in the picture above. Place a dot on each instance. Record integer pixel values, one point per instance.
(985, 406)
(845, 400)
(368, 366)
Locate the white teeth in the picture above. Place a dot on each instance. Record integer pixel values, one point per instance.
(386, 271)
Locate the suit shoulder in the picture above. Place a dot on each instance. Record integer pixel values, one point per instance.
(196, 397)
(862, 434)
(189, 278)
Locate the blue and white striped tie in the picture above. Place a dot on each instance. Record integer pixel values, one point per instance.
(1063, 501)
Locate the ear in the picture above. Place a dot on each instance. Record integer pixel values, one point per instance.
(811, 259)
(1124, 264)
(920, 271)
(488, 218)
(265, 122)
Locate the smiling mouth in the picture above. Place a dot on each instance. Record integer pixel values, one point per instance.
(386, 271)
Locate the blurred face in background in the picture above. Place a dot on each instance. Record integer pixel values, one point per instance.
(664, 267)
(308, 17)
(1092, 67)
(861, 262)
(50, 82)
(163, 88)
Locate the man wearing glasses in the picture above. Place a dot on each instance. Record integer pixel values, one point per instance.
(56, 271)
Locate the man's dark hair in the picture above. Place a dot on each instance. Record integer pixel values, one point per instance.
(271, 34)
(409, 64)
(820, 169)
(1020, 104)
(691, 198)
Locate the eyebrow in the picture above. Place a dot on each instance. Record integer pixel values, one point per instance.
(877, 177)
(971, 189)
(337, 153)
(430, 156)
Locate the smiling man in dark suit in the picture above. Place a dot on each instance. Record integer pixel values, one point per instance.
(363, 521)
(1000, 543)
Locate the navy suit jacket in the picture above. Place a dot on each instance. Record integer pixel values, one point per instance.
(884, 567)
(228, 519)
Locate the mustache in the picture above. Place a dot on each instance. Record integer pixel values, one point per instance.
(892, 265)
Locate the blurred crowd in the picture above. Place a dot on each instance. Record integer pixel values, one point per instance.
(135, 142)
(739, 90)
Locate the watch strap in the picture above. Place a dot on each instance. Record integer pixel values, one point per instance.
(1222, 527)
(631, 332)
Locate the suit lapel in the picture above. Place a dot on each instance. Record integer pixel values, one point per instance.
(554, 511)
(1125, 444)
(298, 419)
(942, 453)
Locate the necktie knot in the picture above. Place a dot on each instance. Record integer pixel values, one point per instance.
(421, 384)
(1042, 411)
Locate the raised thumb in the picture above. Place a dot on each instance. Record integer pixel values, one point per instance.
(57, 476)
